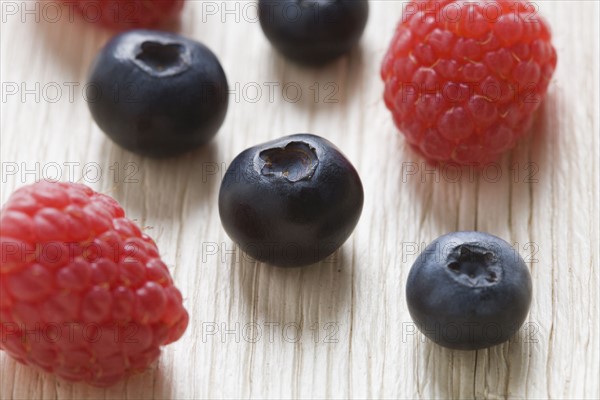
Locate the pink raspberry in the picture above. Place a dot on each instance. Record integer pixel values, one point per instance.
(130, 14)
(83, 292)
(463, 79)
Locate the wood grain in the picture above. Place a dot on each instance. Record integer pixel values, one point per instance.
(340, 329)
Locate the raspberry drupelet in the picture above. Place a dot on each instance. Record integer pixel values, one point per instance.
(464, 78)
(83, 292)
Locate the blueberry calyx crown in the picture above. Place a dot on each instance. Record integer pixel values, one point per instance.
(162, 59)
(473, 265)
(295, 162)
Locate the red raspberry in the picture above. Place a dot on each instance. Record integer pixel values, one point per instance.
(463, 78)
(83, 292)
(129, 14)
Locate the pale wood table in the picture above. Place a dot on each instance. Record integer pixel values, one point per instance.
(340, 329)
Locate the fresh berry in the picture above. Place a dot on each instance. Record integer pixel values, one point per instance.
(291, 201)
(129, 14)
(469, 290)
(313, 31)
(83, 292)
(157, 94)
(464, 78)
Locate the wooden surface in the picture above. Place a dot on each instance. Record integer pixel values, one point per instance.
(340, 329)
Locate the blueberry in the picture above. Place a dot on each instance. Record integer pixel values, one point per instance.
(156, 93)
(291, 201)
(313, 31)
(469, 290)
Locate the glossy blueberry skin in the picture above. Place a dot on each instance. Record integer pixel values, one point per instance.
(157, 94)
(292, 201)
(468, 291)
(313, 32)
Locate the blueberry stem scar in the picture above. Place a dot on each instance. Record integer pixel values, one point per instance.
(473, 265)
(162, 59)
(295, 162)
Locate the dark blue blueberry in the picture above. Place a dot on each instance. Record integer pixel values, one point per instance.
(291, 201)
(313, 31)
(156, 93)
(469, 290)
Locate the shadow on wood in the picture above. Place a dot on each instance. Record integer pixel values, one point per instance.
(321, 89)
(497, 371)
(316, 294)
(191, 180)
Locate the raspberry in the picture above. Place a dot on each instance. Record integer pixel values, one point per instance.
(83, 292)
(463, 79)
(129, 14)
